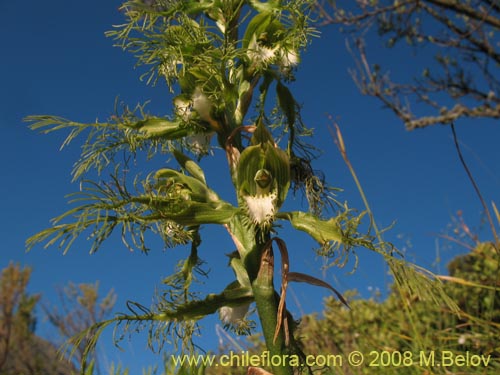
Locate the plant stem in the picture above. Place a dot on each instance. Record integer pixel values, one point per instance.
(267, 309)
(258, 259)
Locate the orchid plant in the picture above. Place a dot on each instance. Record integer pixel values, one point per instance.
(226, 62)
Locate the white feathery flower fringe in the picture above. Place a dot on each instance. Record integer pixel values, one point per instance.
(261, 208)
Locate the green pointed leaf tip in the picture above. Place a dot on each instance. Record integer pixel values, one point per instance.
(322, 231)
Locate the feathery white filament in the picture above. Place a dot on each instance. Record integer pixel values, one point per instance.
(261, 208)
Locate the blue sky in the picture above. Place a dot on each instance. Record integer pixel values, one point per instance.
(56, 60)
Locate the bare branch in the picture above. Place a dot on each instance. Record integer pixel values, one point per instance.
(464, 38)
(462, 8)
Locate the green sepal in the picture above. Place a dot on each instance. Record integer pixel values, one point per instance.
(265, 6)
(235, 292)
(187, 83)
(240, 271)
(278, 163)
(256, 27)
(261, 135)
(190, 166)
(194, 8)
(322, 231)
(274, 32)
(198, 190)
(264, 156)
(286, 102)
(196, 213)
(251, 160)
(205, 79)
(159, 127)
(201, 205)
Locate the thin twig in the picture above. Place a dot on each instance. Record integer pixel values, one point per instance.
(476, 188)
(452, 239)
(339, 141)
